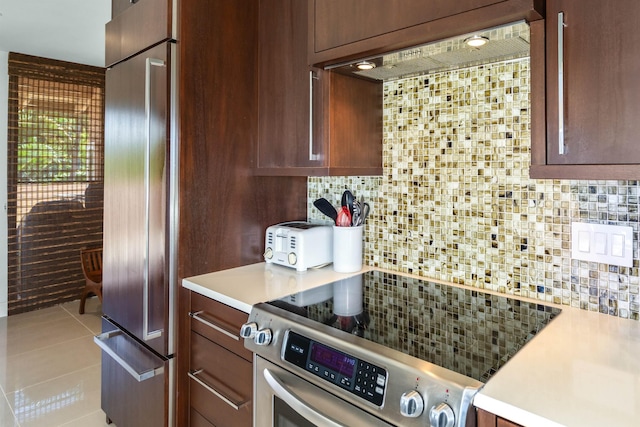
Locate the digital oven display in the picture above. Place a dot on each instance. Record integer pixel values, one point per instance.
(333, 359)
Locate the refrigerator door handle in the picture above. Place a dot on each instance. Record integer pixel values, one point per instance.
(102, 339)
(146, 334)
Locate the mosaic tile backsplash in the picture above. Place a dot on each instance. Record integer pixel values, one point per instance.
(455, 201)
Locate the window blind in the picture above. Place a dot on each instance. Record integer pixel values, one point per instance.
(55, 177)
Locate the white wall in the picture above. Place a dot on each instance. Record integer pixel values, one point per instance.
(4, 263)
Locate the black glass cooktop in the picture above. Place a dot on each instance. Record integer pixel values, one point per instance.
(467, 331)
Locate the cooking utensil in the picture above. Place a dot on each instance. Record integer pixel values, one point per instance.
(362, 216)
(347, 200)
(326, 208)
(344, 218)
(357, 211)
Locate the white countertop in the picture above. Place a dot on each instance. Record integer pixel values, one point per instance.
(583, 369)
(242, 287)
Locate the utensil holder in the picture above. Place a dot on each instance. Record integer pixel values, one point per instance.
(347, 249)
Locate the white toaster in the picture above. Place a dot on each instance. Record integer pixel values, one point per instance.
(300, 245)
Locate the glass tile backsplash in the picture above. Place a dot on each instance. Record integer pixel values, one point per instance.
(455, 201)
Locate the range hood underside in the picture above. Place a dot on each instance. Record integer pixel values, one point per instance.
(505, 43)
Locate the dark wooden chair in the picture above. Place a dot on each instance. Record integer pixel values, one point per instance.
(92, 269)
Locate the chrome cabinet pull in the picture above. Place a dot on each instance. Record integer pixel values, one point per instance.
(146, 334)
(312, 77)
(235, 405)
(297, 404)
(561, 25)
(220, 329)
(101, 339)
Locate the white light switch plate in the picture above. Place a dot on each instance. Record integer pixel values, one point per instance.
(608, 244)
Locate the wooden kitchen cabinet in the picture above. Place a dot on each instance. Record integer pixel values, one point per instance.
(311, 122)
(136, 26)
(588, 85)
(221, 369)
(223, 208)
(487, 419)
(119, 6)
(341, 30)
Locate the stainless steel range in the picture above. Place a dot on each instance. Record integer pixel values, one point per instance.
(382, 349)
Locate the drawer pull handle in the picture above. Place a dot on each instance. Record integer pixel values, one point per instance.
(198, 317)
(235, 405)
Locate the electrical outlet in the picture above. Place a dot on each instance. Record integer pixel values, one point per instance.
(608, 244)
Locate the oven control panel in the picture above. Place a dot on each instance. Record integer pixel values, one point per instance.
(362, 379)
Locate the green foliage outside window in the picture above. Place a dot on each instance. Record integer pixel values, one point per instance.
(52, 148)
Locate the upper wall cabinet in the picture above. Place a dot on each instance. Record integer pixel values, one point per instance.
(119, 6)
(311, 122)
(141, 24)
(343, 30)
(592, 91)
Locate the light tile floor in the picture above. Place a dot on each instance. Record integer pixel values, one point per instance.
(50, 368)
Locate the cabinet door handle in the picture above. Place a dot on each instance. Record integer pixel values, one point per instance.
(199, 318)
(312, 77)
(235, 405)
(561, 25)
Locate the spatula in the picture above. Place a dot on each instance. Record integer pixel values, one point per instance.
(326, 208)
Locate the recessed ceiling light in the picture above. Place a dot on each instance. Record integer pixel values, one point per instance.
(365, 65)
(476, 41)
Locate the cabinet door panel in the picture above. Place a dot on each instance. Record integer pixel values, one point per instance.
(136, 27)
(601, 89)
(346, 30)
(340, 22)
(311, 122)
(286, 86)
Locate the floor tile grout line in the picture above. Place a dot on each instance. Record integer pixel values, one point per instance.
(78, 320)
(55, 378)
(49, 346)
(66, 423)
(33, 320)
(90, 333)
(37, 320)
(13, 414)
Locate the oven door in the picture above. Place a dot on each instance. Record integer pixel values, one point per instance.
(283, 399)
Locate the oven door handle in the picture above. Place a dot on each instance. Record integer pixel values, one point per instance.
(297, 404)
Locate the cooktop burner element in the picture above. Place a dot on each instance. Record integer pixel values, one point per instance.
(467, 331)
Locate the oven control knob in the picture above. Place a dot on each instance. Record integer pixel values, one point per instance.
(263, 337)
(442, 416)
(268, 253)
(411, 404)
(248, 330)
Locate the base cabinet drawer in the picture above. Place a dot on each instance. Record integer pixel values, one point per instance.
(197, 420)
(219, 323)
(487, 419)
(221, 384)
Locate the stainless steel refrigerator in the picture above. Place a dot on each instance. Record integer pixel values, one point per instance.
(137, 339)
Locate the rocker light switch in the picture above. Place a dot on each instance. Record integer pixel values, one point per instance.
(600, 240)
(584, 241)
(617, 245)
(608, 244)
